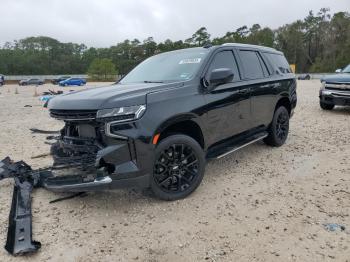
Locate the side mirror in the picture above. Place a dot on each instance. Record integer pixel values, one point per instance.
(220, 76)
(338, 71)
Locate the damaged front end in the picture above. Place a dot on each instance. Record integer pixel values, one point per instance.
(87, 158)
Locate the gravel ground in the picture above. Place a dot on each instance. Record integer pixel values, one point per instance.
(258, 204)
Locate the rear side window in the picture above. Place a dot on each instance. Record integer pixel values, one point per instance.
(263, 65)
(251, 64)
(225, 59)
(279, 62)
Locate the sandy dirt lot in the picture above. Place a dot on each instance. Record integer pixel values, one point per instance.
(258, 204)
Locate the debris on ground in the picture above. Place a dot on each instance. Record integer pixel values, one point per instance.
(334, 227)
(80, 194)
(46, 132)
(19, 235)
(41, 155)
(47, 95)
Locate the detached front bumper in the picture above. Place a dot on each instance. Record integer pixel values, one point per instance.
(335, 97)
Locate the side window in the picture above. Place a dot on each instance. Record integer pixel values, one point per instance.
(251, 64)
(279, 62)
(225, 59)
(263, 65)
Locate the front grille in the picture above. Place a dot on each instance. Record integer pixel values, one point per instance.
(338, 86)
(73, 115)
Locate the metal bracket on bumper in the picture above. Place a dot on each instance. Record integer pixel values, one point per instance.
(19, 234)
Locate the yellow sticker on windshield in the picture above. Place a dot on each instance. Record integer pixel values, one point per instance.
(190, 61)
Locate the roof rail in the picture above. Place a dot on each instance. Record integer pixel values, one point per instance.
(250, 45)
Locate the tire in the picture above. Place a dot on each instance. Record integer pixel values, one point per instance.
(279, 128)
(178, 168)
(325, 106)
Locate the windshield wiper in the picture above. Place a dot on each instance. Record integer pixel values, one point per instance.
(158, 82)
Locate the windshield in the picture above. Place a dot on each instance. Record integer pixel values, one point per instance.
(171, 66)
(346, 69)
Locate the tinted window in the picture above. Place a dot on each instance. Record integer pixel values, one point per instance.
(251, 64)
(279, 62)
(263, 65)
(225, 59)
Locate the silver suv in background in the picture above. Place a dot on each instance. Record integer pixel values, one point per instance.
(31, 81)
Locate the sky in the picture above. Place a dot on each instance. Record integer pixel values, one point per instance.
(102, 23)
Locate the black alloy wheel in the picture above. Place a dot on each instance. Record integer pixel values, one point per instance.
(279, 128)
(178, 168)
(282, 125)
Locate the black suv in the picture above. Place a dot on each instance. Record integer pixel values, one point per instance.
(159, 125)
(335, 89)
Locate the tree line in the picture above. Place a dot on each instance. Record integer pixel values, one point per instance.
(318, 43)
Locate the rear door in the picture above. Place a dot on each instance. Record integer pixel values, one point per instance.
(262, 90)
(228, 105)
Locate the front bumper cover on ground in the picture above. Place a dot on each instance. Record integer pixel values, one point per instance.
(19, 235)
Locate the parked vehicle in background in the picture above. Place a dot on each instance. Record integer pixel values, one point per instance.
(335, 89)
(304, 77)
(31, 81)
(58, 80)
(2, 80)
(73, 82)
(159, 125)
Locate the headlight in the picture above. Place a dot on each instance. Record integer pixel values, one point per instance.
(323, 85)
(121, 114)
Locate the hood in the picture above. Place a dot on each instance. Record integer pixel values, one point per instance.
(338, 78)
(107, 97)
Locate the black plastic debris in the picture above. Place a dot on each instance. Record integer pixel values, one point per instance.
(19, 234)
(47, 132)
(79, 194)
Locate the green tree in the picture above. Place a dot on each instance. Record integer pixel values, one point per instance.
(102, 69)
(199, 38)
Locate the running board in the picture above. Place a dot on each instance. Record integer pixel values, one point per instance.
(233, 147)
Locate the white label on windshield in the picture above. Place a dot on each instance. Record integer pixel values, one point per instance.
(190, 61)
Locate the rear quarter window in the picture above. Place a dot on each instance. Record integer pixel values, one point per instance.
(279, 62)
